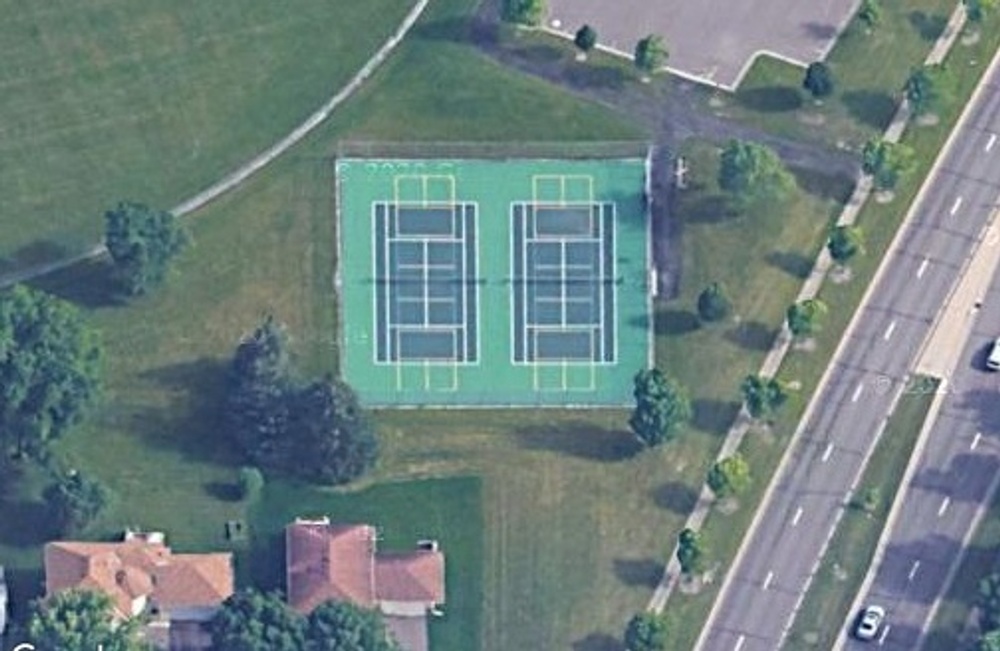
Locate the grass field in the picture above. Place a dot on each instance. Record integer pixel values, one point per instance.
(850, 553)
(154, 100)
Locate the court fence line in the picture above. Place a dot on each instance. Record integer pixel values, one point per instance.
(493, 150)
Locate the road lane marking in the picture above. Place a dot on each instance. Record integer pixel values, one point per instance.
(767, 580)
(739, 642)
(922, 268)
(888, 331)
(827, 453)
(797, 516)
(913, 571)
(944, 506)
(885, 632)
(989, 143)
(857, 392)
(955, 206)
(975, 440)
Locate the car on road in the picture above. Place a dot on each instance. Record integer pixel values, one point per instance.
(993, 356)
(869, 622)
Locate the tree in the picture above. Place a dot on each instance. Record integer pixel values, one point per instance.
(730, 476)
(845, 242)
(646, 632)
(975, 9)
(253, 621)
(332, 436)
(870, 500)
(342, 626)
(990, 641)
(81, 620)
(525, 12)
(818, 80)
(50, 368)
(661, 406)
(886, 162)
(650, 54)
(803, 317)
(713, 304)
(76, 500)
(989, 601)
(142, 243)
(753, 174)
(251, 482)
(927, 89)
(690, 551)
(585, 39)
(870, 13)
(762, 395)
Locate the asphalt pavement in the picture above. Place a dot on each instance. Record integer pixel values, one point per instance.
(765, 588)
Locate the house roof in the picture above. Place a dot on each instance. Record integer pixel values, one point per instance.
(137, 568)
(410, 576)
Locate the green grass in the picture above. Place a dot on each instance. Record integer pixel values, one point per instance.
(869, 71)
(849, 555)
(155, 100)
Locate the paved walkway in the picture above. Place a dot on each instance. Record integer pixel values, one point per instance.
(238, 176)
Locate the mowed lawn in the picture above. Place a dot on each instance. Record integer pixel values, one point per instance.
(155, 100)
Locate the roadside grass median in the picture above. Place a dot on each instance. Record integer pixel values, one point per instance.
(852, 549)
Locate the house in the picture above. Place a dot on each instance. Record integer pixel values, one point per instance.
(179, 593)
(325, 561)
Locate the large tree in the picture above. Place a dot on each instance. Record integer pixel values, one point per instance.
(50, 368)
(75, 500)
(646, 632)
(585, 39)
(729, 477)
(975, 9)
(990, 641)
(870, 13)
(661, 406)
(525, 12)
(342, 626)
(989, 601)
(650, 54)
(927, 89)
(713, 304)
(818, 80)
(753, 174)
(762, 395)
(845, 242)
(886, 162)
(803, 318)
(253, 621)
(81, 620)
(332, 436)
(142, 242)
(690, 551)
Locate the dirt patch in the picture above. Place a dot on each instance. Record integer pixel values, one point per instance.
(812, 119)
(928, 119)
(841, 274)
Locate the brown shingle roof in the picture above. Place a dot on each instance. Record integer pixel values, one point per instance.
(410, 576)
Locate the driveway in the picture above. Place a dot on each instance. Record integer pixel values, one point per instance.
(410, 632)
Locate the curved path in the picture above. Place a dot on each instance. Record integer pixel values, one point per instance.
(248, 169)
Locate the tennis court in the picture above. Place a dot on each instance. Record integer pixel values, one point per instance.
(493, 282)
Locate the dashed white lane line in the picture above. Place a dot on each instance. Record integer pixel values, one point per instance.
(889, 331)
(913, 571)
(881, 638)
(990, 142)
(767, 580)
(944, 506)
(955, 206)
(797, 516)
(975, 440)
(922, 268)
(857, 392)
(740, 641)
(827, 453)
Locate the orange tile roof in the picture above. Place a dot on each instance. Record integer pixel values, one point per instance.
(135, 569)
(410, 576)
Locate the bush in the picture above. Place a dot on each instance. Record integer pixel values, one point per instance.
(251, 482)
(713, 304)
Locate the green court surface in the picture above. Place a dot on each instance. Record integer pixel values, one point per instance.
(493, 282)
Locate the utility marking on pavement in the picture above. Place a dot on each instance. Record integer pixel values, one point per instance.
(739, 642)
(955, 206)
(797, 516)
(989, 143)
(888, 331)
(922, 268)
(913, 571)
(767, 580)
(885, 632)
(975, 440)
(827, 453)
(857, 392)
(944, 506)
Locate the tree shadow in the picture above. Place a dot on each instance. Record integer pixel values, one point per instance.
(89, 284)
(714, 416)
(263, 563)
(24, 584)
(451, 29)
(676, 497)
(35, 253)
(752, 335)
(580, 439)
(675, 322)
(33, 523)
(929, 27)
(792, 263)
(871, 107)
(223, 491)
(820, 31)
(770, 99)
(599, 642)
(638, 573)
(708, 209)
(596, 76)
(829, 187)
(540, 53)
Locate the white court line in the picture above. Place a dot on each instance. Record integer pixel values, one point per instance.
(857, 392)
(913, 571)
(739, 642)
(990, 142)
(827, 453)
(767, 580)
(922, 268)
(955, 206)
(889, 330)
(797, 517)
(944, 506)
(975, 440)
(885, 632)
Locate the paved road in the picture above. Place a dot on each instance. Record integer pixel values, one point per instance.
(766, 586)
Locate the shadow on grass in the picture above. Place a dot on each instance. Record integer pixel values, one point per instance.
(929, 27)
(709, 209)
(263, 561)
(596, 76)
(88, 284)
(714, 416)
(676, 322)
(638, 572)
(24, 584)
(581, 439)
(873, 108)
(752, 335)
(792, 263)
(33, 521)
(36, 253)
(599, 642)
(770, 99)
(828, 187)
(540, 53)
(675, 496)
(452, 29)
(224, 491)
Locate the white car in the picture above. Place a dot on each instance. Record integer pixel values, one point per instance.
(993, 357)
(869, 622)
